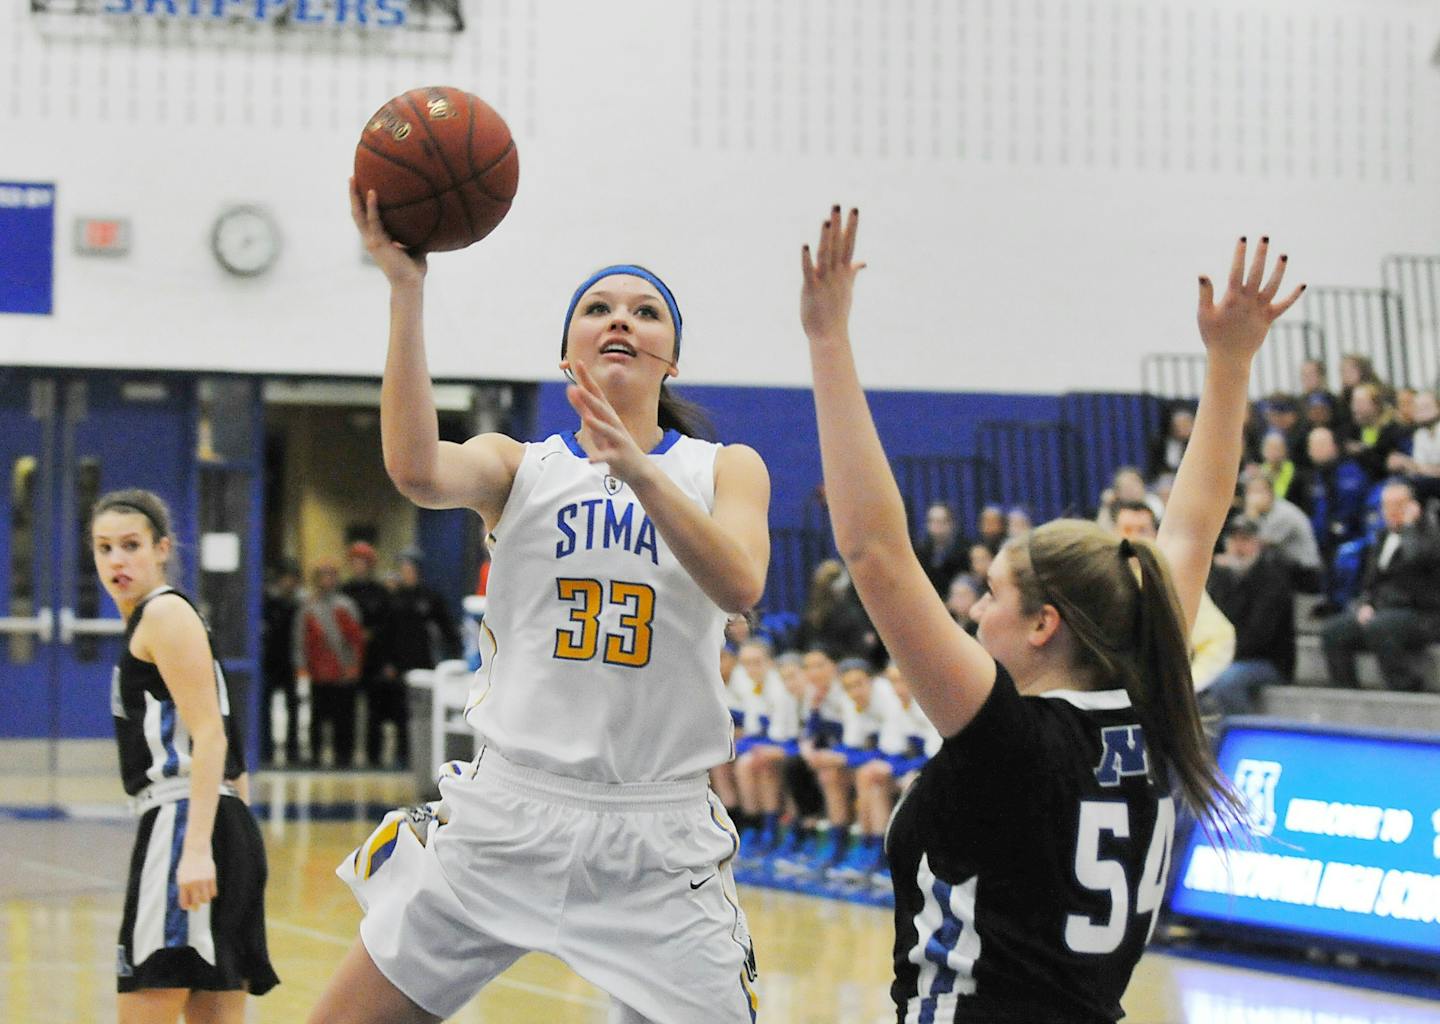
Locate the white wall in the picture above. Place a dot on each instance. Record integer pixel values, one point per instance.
(1041, 180)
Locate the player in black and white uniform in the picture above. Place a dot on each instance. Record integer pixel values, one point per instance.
(585, 828)
(1029, 857)
(192, 938)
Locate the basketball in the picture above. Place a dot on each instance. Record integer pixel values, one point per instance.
(443, 166)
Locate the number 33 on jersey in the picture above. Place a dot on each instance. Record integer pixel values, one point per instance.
(593, 624)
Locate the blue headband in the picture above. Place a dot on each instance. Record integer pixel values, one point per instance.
(632, 270)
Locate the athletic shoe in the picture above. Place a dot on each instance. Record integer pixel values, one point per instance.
(754, 845)
(856, 866)
(792, 856)
(826, 852)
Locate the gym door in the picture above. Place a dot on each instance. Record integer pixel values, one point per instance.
(65, 439)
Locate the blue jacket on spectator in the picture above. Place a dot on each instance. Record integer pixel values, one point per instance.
(1335, 500)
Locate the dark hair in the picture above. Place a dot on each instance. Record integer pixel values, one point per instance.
(1085, 573)
(1364, 364)
(135, 501)
(1135, 506)
(687, 417)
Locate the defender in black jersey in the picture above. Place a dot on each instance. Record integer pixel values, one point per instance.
(192, 937)
(1029, 857)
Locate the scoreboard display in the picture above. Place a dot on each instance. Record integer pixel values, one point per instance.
(1344, 849)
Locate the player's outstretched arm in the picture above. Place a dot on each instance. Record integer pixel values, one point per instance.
(1232, 330)
(950, 673)
(430, 472)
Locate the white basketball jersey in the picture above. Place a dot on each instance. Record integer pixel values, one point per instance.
(600, 655)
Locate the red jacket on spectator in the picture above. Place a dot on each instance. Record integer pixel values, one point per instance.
(329, 641)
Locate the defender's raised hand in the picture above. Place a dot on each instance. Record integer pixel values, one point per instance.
(829, 275)
(1238, 323)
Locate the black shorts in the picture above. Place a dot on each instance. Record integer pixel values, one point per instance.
(219, 948)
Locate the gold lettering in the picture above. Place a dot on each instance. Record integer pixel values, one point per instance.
(388, 121)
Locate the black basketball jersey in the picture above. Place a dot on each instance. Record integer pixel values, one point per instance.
(1029, 860)
(154, 743)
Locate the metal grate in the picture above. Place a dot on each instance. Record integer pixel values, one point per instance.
(1416, 280)
(1036, 464)
(1366, 321)
(1172, 374)
(964, 482)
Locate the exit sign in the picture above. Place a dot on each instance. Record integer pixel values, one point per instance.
(102, 236)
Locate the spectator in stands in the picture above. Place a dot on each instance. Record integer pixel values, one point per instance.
(1253, 585)
(1284, 528)
(1282, 415)
(870, 701)
(1373, 435)
(1276, 464)
(1166, 450)
(277, 663)
(1212, 641)
(1314, 376)
(372, 598)
(1160, 489)
(1319, 412)
(420, 633)
(771, 733)
(961, 596)
(1405, 417)
(1398, 611)
(1355, 370)
(990, 528)
(942, 550)
(1422, 465)
(907, 741)
(824, 726)
(980, 558)
(833, 616)
(1334, 498)
(328, 654)
(1127, 486)
(1017, 521)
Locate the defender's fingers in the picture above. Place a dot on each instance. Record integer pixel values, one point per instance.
(1279, 309)
(1237, 265)
(823, 257)
(1276, 276)
(1257, 264)
(807, 265)
(852, 225)
(1207, 295)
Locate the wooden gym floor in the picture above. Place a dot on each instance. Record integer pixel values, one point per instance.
(821, 960)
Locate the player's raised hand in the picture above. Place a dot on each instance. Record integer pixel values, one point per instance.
(829, 277)
(398, 263)
(1238, 323)
(604, 436)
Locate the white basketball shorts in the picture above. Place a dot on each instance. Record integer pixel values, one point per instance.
(628, 884)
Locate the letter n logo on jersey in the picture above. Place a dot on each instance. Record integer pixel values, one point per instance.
(1123, 754)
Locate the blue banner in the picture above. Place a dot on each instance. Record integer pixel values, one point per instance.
(1346, 841)
(27, 247)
